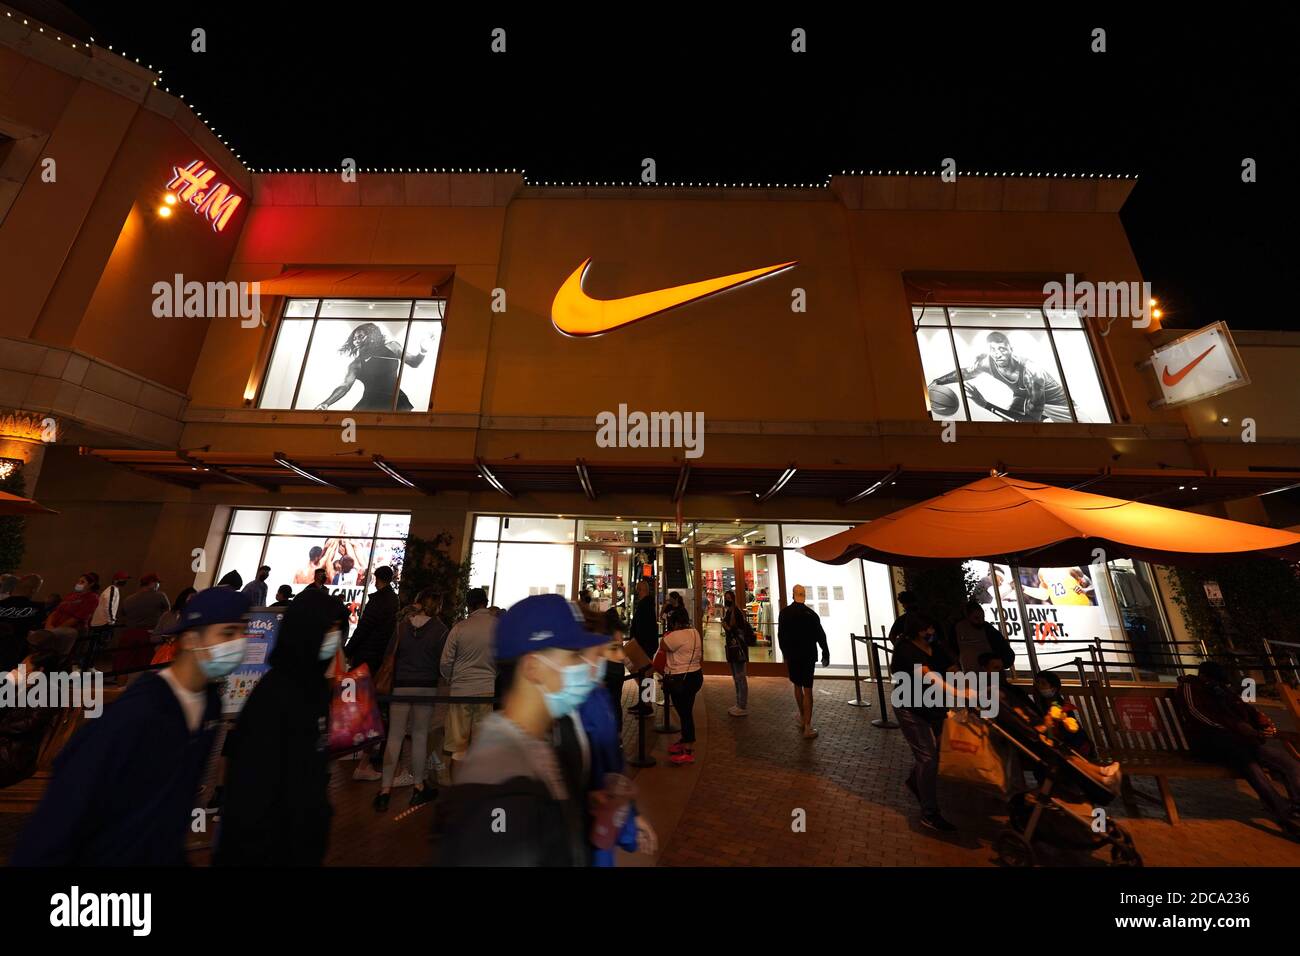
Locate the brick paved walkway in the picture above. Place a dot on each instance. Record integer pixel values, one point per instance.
(755, 771)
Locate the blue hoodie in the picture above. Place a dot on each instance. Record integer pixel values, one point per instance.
(601, 726)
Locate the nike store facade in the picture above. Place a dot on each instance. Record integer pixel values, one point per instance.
(207, 368)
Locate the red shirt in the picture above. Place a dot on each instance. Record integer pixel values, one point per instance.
(74, 611)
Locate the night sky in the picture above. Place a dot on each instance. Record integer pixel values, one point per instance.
(586, 95)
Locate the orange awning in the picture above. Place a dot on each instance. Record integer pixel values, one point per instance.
(14, 505)
(1013, 522)
(360, 283)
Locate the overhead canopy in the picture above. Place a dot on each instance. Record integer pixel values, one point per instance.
(978, 288)
(1024, 522)
(14, 505)
(359, 283)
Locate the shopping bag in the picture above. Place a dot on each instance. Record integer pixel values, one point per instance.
(968, 754)
(637, 660)
(355, 721)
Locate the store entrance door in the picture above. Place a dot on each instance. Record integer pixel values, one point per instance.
(757, 576)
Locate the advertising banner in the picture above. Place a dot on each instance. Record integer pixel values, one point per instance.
(261, 629)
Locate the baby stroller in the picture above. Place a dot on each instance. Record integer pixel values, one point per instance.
(1060, 813)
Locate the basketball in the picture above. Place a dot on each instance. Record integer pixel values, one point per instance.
(943, 401)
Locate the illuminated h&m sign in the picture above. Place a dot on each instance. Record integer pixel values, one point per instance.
(194, 185)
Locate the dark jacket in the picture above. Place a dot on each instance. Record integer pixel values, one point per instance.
(378, 622)
(18, 616)
(999, 645)
(276, 810)
(124, 787)
(22, 731)
(645, 628)
(419, 652)
(498, 785)
(799, 631)
(1208, 711)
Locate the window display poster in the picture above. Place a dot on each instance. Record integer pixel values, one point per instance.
(1061, 603)
(821, 592)
(260, 630)
(837, 592)
(1011, 374)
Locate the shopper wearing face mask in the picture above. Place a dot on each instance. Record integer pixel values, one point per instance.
(145, 607)
(276, 811)
(75, 610)
(511, 804)
(124, 788)
(418, 651)
(590, 747)
(918, 653)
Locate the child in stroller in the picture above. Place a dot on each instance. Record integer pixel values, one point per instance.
(1063, 810)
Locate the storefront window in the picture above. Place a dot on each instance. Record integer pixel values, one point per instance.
(1008, 364)
(355, 355)
(1074, 611)
(524, 570)
(349, 546)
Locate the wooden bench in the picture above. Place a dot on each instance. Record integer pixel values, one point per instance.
(23, 796)
(1139, 726)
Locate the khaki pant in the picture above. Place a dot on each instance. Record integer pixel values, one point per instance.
(461, 719)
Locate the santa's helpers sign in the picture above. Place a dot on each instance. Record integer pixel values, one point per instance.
(1198, 365)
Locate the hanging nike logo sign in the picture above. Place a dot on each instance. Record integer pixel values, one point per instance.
(575, 313)
(1173, 379)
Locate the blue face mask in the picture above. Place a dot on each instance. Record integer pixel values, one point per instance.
(222, 659)
(329, 647)
(578, 683)
(600, 671)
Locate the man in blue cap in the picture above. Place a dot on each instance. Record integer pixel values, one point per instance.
(510, 805)
(124, 788)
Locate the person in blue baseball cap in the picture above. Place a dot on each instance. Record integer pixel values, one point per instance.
(511, 805)
(124, 788)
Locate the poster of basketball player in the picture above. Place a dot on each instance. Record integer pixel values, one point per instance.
(1011, 374)
(1060, 603)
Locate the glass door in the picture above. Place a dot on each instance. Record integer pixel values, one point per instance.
(603, 573)
(755, 576)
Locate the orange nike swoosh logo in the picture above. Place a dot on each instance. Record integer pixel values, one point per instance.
(1176, 377)
(575, 313)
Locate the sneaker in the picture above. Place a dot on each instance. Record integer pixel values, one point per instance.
(381, 801)
(809, 733)
(404, 780)
(737, 711)
(422, 795)
(682, 757)
(935, 821)
(676, 748)
(366, 772)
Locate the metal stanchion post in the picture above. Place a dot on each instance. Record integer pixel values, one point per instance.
(857, 700)
(642, 759)
(666, 727)
(883, 720)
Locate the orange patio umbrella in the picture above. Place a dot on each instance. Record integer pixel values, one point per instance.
(1011, 521)
(14, 505)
